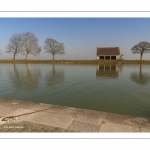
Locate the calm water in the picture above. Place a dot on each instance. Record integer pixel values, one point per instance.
(123, 89)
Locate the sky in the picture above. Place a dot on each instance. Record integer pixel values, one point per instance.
(80, 36)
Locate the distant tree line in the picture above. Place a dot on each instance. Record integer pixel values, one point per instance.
(27, 43)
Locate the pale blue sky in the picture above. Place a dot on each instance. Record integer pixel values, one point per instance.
(80, 36)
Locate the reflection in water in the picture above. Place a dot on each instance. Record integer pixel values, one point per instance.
(108, 71)
(26, 79)
(76, 86)
(140, 77)
(54, 76)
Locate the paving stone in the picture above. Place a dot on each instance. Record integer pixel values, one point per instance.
(60, 120)
(47, 107)
(83, 127)
(39, 117)
(90, 116)
(127, 120)
(145, 129)
(41, 106)
(4, 110)
(140, 122)
(30, 127)
(71, 111)
(20, 113)
(56, 129)
(113, 127)
(69, 130)
(116, 118)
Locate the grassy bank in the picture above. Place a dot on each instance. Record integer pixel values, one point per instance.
(77, 61)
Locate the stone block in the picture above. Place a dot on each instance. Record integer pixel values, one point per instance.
(113, 127)
(60, 120)
(127, 120)
(145, 129)
(4, 110)
(83, 127)
(90, 116)
(47, 107)
(38, 117)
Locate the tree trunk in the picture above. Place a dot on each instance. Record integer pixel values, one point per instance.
(14, 56)
(141, 56)
(27, 56)
(53, 57)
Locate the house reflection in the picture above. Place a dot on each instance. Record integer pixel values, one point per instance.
(24, 77)
(140, 77)
(108, 71)
(54, 76)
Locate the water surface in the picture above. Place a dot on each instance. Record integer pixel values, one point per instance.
(123, 89)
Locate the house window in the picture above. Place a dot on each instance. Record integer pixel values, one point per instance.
(101, 57)
(113, 57)
(107, 57)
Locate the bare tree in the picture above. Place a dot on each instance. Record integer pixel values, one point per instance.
(142, 47)
(54, 47)
(14, 45)
(30, 44)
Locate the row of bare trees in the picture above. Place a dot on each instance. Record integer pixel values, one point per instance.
(27, 43)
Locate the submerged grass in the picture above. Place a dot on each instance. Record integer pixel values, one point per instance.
(77, 61)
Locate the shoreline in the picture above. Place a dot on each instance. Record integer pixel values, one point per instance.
(75, 61)
(26, 116)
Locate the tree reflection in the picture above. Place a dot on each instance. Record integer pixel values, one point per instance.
(54, 76)
(140, 77)
(108, 71)
(25, 78)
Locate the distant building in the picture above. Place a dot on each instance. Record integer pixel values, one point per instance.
(108, 53)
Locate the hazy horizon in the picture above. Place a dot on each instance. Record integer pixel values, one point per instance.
(80, 36)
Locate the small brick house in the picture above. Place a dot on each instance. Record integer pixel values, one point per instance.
(108, 53)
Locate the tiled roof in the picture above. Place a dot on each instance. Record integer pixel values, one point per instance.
(108, 51)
